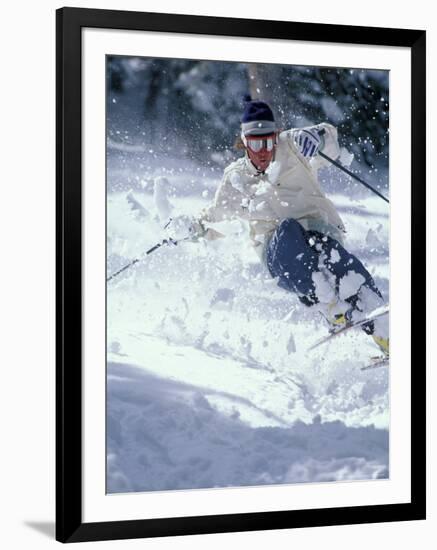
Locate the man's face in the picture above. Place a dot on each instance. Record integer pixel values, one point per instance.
(260, 150)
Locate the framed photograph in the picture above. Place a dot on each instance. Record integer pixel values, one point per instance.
(240, 275)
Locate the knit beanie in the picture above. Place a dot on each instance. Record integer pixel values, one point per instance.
(257, 118)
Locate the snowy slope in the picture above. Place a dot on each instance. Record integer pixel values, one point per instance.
(210, 382)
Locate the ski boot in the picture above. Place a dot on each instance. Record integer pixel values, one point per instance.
(340, 314)
(383, 344)
(337, 314)
(381, 335)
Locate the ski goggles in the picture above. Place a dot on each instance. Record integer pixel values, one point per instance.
(257, 143)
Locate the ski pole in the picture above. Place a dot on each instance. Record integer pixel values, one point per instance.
(136, 260)
(348, 172)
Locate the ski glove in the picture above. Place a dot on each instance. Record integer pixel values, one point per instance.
(184, 227)
(308, 142)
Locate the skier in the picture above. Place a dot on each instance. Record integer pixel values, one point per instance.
(294, 227)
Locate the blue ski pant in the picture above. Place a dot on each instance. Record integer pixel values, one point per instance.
(293, 254)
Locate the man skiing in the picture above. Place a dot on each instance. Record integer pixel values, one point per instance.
(294, 227)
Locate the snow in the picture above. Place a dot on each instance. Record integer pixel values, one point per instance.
(346, 157)
(166, 435)
(260, 206)
(334, 257)
(160, 196)
(137, 208)
(236, 182)
(332, 110)
(350, 284)
(210, 382)
(324, 290)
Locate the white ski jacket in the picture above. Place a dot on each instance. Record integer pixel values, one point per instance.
(288, 189)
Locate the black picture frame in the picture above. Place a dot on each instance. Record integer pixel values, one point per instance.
(69, 524)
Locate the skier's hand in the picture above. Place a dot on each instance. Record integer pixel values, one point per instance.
(308, 142)
(184, 227)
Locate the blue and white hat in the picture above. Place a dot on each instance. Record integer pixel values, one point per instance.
(257, 118)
